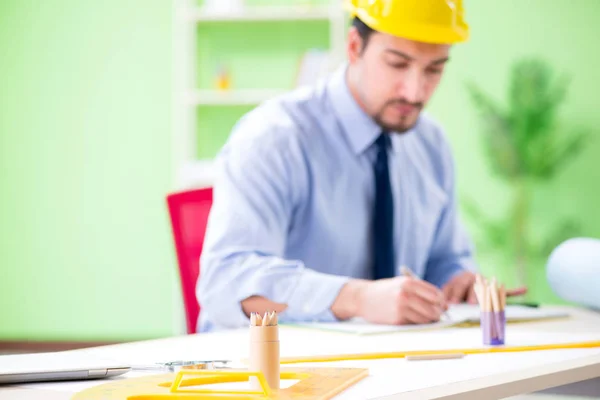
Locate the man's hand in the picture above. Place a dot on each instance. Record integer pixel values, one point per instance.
(460, 288)
(394, 301)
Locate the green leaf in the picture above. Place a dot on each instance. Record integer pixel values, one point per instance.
(533, 103)
(567, 229)
(496, 233)
(570, 149)
(525, 142)
(497, 138)
(557, 153)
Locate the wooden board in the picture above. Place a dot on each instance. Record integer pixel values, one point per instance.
(314, 384)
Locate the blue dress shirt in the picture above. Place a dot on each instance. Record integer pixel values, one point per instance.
(292, 210)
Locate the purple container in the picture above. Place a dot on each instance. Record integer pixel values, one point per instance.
(493, 326)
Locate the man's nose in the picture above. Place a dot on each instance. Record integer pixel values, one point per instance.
(412, 90)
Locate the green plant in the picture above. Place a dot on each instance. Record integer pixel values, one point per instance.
(524, 146)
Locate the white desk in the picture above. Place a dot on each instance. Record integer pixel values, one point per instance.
(484, 376)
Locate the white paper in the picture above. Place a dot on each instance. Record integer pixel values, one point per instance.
(457, 314)
(470, 313)
(360, 327)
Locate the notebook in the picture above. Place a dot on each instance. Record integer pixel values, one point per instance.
(457, 314)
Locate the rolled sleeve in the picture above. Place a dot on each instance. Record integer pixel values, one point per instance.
(313, 297)
(308, 294)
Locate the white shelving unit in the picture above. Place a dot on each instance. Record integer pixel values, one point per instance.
(291, 13)
(231, 97)
(190, 172)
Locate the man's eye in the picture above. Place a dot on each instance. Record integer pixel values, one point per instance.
(434, 71)
(399, 65)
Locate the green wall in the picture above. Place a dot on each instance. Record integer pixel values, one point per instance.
(85, 99)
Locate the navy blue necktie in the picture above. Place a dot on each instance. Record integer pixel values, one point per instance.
(383, 214)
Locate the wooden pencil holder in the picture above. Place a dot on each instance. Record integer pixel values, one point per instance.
(264, 355)
(493, 327)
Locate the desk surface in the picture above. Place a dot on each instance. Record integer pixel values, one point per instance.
(474, 377)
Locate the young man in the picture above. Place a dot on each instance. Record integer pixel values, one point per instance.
(321, 195)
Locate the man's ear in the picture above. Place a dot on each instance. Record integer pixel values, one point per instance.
(354, 45)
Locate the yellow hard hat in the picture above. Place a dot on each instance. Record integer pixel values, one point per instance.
(431, 21)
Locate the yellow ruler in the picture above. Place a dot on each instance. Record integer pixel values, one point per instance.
(403, 354)
(314, 384)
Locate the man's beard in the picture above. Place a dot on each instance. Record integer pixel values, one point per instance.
(401, 127)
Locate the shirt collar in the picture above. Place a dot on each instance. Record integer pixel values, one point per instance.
(360, 129)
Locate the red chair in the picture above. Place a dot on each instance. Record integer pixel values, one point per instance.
(189, 212)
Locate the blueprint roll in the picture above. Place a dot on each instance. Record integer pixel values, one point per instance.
(573, 271)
